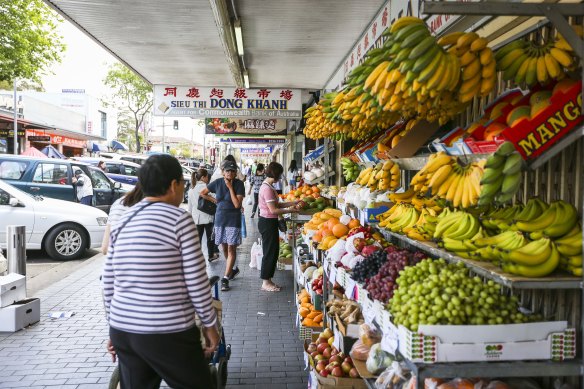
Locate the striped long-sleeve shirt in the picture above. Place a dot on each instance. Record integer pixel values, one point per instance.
(155, 276)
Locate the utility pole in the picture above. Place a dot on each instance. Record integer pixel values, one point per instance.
(15, 121)
(163, 134)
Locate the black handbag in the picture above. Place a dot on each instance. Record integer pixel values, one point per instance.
(206, 206)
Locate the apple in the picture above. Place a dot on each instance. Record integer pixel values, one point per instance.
(348, 360)
(322, 340)
(359, 243)
(337, 372)
(324, 372)
(321, 347)
(331, 340)
(311, 348)
(319, 358)
(327, 333)
(332, 365)
(354, 373)
(327, 352)
(320, 366)
(335, 358)
(314, 354)
(342, 355)
(346, 367)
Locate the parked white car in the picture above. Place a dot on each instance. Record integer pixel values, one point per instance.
(63, 228)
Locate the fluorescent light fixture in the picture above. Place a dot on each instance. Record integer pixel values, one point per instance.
(238, 36)
(246, 79)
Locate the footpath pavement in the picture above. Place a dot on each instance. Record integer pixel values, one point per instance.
(70, 352)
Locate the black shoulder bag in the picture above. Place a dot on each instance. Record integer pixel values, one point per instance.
(206, 206)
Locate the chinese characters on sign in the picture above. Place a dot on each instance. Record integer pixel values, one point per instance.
(193, 101)
(223, 126)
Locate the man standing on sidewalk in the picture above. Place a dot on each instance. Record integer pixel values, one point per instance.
(84, 187)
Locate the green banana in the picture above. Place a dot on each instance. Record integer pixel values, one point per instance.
(532, 254)
(513, 164)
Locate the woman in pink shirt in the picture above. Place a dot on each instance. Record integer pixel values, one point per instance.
(270, 209)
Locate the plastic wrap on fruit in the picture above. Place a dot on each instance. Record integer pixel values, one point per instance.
(360, 351)
(382, 198)
(355, 260)
(368, 335)
(378, 359)
(350, 243)
(336, 252)
(395, 376)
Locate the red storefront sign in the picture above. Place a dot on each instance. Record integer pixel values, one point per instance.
(58, 139)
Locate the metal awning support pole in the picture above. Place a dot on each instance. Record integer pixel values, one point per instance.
(15, 120)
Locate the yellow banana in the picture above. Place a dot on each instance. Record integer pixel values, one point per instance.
(466, 39)
(370, 81)
(467, 58)
(542, 74)
(471, 70)
(478, 44)
(561, 56)
(487, 85)
(404, 21)
(489, 69)
(450, 39)
(552, 65)
(486, 56)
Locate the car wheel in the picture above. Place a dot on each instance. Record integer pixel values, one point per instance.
(65, 242)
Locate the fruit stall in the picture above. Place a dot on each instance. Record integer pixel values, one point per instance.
(453, 256)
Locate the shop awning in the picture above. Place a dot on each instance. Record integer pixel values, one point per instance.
(7, 120)
(33, 152)
(52, 152)
(97, 148)
(119, 146)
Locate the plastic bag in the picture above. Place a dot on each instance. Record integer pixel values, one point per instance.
(350, 246)
(360, 351)
(393, 377)
(336, 252)
(368, 335)
(378, 360)
(256, 255)
(249, 200)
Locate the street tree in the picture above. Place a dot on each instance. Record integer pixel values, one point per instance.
(132, 94)
(29, 41)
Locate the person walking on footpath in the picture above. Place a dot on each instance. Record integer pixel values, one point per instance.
(229, 194)
(204, 221)
(218, 173)
(84, 187)
(270, 209)
(256, 182)
(154, 282)
(292, 173)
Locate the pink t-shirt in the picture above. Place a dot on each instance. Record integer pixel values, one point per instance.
(267, 194)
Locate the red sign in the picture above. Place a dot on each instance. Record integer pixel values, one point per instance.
(58, 139)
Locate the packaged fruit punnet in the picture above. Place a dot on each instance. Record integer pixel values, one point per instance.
(360, 351)
(378, 360)
(368, 335)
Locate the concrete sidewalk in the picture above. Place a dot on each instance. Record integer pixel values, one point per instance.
(70, 353)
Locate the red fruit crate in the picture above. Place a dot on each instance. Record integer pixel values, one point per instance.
(533, 136)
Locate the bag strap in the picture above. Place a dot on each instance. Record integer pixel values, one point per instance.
(134, 214)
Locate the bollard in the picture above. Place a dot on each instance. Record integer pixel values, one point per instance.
(16, 249)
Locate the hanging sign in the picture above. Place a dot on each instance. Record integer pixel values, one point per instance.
(253, 140)
(222, 126)
(10, 133)
(256, 150)
(58, 139)
(191, 101)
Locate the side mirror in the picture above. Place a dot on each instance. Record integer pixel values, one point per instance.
(14, 202)
(117, 185)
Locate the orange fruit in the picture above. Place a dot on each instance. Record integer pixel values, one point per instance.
(340, 230)
(308, 192)
(326, 231)
(354, 223)
(317, 237)
(332, 222)
(315, 189)
(316, 195)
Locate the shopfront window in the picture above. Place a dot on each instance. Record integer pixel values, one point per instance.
(103, 117)
(12, 170)
(51, 173)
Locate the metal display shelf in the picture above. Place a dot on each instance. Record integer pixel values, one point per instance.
(491, 271)
(319, 179)
(502, 369)
(417, 163)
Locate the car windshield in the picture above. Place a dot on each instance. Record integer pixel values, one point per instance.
(100, 180)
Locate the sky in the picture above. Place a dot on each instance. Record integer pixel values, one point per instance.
(85, 64)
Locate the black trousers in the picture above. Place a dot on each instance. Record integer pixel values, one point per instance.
(270, 245)
(256, 197)
(146, 359)
(208, 230)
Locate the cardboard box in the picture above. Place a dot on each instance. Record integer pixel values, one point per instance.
(20, 314)
(12, 289)
(506, 342)
(331, 382)
(369, 215)
(415, 138)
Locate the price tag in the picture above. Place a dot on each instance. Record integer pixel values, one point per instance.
(350, 289)
(389, 342)
(377, 309)
(333, 274)
(369, 313)
(338, 340)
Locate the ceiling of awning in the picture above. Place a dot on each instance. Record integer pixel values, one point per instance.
(294, 43)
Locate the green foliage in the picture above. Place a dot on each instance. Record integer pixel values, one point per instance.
(23, 85)
(29, 42)
(131, 95)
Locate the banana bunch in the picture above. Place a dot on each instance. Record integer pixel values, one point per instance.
(538, 258)
(502, 176)
(456, 183)
(419, 182)
(399, 217)
(570, 248)
(503, 219)
(457, 225)
(477, 63)
(364, 176)
(529, 62)
(425, 226)
(383, 177)
(403, 197)
(489, 248)
(350, 169)
(556, 221)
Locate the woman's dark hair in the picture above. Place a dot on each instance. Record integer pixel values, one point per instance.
(134, 196)
(292, 166)
(260, 167)
(198, 175)
(230, 157)
(274, 170)
(158, 172)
